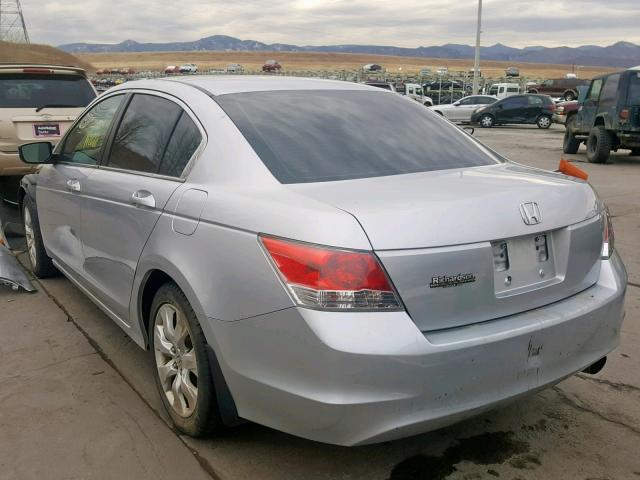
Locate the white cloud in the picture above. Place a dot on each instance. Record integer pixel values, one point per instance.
(322, 22)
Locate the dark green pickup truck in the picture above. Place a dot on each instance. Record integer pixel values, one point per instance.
(608, 118)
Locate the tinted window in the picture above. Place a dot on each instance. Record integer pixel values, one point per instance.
(143, 134)
(536, 101)
(326, 135)
(183, 143)
(514, 102)
(84, 142)
(610, 91)
(33, 90)
(486, 100)
(634, 89)
(513, 89)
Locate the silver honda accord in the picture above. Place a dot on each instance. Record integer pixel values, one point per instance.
(325, 258)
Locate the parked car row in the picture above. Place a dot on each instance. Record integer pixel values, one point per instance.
(115, 71)
(516, 109)
(185, 68)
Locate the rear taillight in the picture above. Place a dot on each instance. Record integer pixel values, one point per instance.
(43, 71)
(331, 279)
(609, 238)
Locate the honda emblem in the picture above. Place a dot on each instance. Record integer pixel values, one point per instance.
(530, 213)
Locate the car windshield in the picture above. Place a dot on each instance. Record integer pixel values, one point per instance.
(328, 135)
(34, 90)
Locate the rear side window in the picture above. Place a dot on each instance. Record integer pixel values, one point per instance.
(609, 91)
(535, 101)
(18, 90)
(633, 97)
(154, 136)
(183, 144)
(328, 135)
(513, 89)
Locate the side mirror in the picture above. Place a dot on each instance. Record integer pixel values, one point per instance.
(37, 153)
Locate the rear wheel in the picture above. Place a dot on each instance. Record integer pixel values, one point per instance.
(544, 121)
(487, 121)
(41, 263)
(570, 143)
(569, 96)
(182, 369)
(598, 145)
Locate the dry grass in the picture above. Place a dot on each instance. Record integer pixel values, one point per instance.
(301, 61)
(33, 53)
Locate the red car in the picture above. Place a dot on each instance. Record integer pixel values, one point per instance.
(271, 66)
(172, 69)
(565, 111)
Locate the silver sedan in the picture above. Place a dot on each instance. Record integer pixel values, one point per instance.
(462, 110)
(293, 257)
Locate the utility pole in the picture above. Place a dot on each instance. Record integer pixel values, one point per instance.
(476, 63)
(12, 26)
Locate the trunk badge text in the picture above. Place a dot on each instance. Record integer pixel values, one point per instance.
(530, 213)
(452, 280)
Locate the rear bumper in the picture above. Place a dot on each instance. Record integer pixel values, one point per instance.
(10, 164)
(358, 378)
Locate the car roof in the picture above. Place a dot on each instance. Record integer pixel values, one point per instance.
(228, 84)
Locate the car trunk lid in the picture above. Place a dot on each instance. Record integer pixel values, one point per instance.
(440, 236)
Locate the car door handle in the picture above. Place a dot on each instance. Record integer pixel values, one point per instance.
(73, 185)
(143, 198)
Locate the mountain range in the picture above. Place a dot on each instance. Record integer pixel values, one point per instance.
(620, 54)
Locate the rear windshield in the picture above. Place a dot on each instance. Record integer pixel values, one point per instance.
(32, 91)
(327, 135)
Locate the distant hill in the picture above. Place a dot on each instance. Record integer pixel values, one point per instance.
(621, 54)
(34, 53)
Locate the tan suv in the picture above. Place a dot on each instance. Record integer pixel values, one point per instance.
(37, 102)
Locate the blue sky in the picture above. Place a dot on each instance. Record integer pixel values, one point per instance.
(320, 22)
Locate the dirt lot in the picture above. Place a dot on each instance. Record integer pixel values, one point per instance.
(71, 379)
(298, 61)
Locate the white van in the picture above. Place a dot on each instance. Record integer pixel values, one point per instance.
(504, 90)
(415, 92)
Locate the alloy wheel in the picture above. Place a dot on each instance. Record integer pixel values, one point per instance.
(175, 359)
(544, 122)
(28, 233)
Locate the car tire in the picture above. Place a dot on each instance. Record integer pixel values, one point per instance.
(181, 365)
(41, 264)
(570, 143)
(543, 122)
(569, 96)
(486, 121)
(598, 145)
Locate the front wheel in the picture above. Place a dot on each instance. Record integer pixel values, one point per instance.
(598, 145)
(182, 369)
(487, 121)
(544, 122)
(41, 264)
(570, 144)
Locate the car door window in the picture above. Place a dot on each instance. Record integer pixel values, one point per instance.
(143, 134)
(535, 101)
(84, 142)
(594, 93)
(184, 142)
